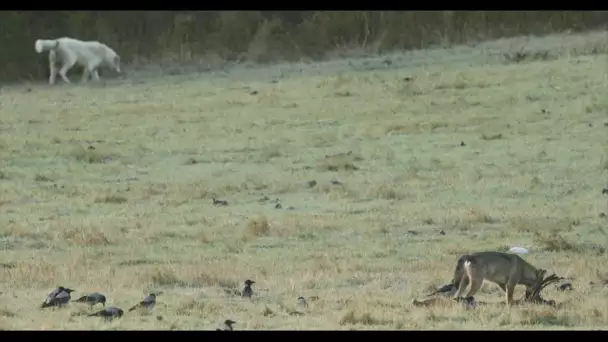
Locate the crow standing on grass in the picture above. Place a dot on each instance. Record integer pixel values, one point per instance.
(247, 291)
(109, 313)
(60, 296)
(92, 299)
(302, 303)
(54, 293)
(148, 303)
(227, 326)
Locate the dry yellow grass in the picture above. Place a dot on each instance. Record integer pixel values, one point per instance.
(110, 189)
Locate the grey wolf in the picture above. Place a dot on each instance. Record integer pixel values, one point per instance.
(506, 270)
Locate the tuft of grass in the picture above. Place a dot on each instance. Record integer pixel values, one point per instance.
(203, 237)
(385, 191)
(521, 56)
(91, 155)
(165, 277)
(471, 218)
(191, 307)
(544, 317)
(269, 153)
(112, 199)
(257, 226)
(339, 162)
(42, 178)
(476, 215)
(553, 242)
(429, 221)
(604, 160)
(137, 262)
(267, 312)
(492, 136)
(7, 313)
(396, 128)
(351, 318)
(85, 237)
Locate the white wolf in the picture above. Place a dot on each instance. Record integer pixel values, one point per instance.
(69, 51)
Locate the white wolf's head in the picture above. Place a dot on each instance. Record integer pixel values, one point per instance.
(116, 63)
(112, 59)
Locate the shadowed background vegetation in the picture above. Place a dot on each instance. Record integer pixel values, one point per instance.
(208, 39)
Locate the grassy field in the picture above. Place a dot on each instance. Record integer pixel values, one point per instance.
(109, 188)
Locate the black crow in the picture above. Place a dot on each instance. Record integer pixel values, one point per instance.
(227, 326)
(109, 313)
(92, 299)
(59, 296)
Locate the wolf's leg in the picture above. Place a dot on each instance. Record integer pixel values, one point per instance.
(95, 75)
(68, 63)
(85, 75)
(511, 283)
(91, 67)
(464, 282)
(53, 73)
(91, 70)
(515, 274)
(52, 67)
(63, 72)
(476, 282)
(510, 291)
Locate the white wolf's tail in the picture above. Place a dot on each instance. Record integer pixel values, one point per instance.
(45, 45)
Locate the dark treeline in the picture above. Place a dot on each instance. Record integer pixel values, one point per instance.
(183, 37)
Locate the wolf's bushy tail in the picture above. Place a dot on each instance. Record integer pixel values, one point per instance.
(45, 45)
(460, 265)
(468, 258)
